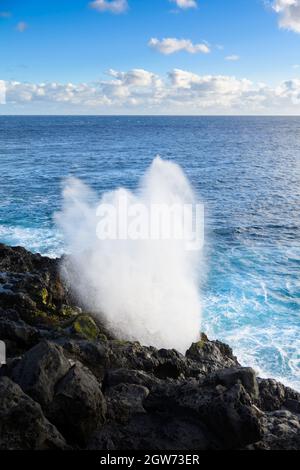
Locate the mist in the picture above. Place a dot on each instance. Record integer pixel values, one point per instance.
(142, 289)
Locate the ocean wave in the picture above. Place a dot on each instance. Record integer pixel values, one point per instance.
(45, 241)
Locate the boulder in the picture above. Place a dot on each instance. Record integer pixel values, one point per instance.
(94, 355)
(226, 412)
(15, 330)
(280, 431)
(235, 375)
(129, 376)
(274, 396)
(125, 400)
(39, 370)
(155, 432)
(211, 355)
(85, 327)
(22, 423)
(78, 406)
(31, 284)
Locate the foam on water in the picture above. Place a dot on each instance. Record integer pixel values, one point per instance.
(247, 170)
(38, 240)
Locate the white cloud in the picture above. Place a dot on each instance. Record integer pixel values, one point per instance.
(232, 58)
(112, 6)
(21, 26)
(289, 14)
(290, 90)
(2, 92)
(185, 4)
(135, 77)
(172, 45)
(141, 91)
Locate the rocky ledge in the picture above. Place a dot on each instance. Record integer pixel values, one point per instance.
(69, 384)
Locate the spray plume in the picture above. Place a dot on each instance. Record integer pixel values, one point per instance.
(143, 290)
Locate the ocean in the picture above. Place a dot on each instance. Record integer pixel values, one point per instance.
(246, 170)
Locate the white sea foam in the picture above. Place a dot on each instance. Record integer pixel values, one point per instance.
(47, 242)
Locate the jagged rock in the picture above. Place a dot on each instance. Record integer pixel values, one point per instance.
(70, 395)
(104, 393)
(125, 400)
(227, 413)
(235, 375)
(211, 355)
(18, 260)
(94, 355)
(30, 284)
(281, 431)
(159, 432)
(161, 363)
(78, 406)
(274, 396)
(22, 423)
(39, 370)
(15, 330)
(129, 376)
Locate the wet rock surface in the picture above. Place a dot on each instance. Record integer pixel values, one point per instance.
(68, 383)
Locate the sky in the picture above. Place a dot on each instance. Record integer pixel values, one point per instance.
(191, 57)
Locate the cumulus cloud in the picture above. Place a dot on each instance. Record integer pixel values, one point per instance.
(141, 91)
(289, 90)
(21, 26)
(112, 6)
(185, 4)
(289, 14)
(232, 58)
(171, 45)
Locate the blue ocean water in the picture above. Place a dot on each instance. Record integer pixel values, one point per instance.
(245, 169)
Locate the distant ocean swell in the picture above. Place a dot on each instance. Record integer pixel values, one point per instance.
(246, 170)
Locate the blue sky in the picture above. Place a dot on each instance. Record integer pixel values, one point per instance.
(253, 44)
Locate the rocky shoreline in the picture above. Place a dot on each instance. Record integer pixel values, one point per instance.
(69, 384)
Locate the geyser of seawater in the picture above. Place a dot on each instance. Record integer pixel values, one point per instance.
(143, 290)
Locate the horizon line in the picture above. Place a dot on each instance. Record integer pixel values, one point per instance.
(150, 115)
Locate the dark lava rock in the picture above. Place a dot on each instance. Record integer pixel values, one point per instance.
(31, 285)
(78, 405)
(235, 375)
(69, 394)
(129, 376)
(39, 370)
(125, 400)
(22, 423)
(69, 383)
(281, 431)
(160, 431)
(17, 335)
(274, 396)
(212, 355)
(226, 411)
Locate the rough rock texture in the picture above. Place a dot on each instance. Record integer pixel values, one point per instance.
(22, 423)
(69, 383)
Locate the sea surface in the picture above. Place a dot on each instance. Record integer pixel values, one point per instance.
(245, 169)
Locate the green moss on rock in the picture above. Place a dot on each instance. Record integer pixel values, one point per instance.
(67, 311)
(40, 317)
(85, 326)
(44, 295)
(199, 345)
